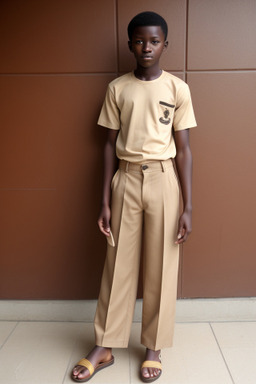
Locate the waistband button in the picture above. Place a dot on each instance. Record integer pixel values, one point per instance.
(144, 167)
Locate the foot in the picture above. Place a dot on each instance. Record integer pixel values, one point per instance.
(149, 373)
(96, 356)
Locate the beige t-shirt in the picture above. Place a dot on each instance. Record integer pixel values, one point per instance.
(145, 112)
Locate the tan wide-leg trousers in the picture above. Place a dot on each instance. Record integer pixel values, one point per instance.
(145, 208)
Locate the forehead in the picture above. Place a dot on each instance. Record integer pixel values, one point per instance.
(148, 31)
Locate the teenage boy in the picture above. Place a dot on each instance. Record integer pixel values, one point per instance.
(148, 114)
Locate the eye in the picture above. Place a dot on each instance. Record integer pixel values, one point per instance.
(138, 42)
(155, 42)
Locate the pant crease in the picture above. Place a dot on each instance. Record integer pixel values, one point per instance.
(115, 275)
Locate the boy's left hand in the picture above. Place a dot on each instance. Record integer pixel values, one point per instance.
(185, 227)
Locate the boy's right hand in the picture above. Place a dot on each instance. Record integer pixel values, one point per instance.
(104, 220)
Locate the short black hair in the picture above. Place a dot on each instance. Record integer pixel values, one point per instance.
(146, 19)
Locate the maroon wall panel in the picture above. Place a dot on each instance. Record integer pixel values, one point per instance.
(219, 257)
(221, 34)
(57, 36)
(51, 172)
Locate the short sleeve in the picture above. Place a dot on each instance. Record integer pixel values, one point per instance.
(184, 116)
(110, 114)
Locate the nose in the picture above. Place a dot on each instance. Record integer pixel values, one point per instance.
(146, 47)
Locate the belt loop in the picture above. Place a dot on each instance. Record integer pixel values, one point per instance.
(127, 167)
(163, 165)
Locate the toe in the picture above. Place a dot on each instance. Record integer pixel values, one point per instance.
(151, 371)
(83, 374)
(75, 371)
(145, 373)
(80, 372)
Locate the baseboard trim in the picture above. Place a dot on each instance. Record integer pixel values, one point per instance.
(189, 310)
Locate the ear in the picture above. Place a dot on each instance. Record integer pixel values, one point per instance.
(166, 44)
(130, 45)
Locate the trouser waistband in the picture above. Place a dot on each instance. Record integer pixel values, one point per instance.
(159, 165)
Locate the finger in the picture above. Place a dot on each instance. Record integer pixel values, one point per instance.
(180, 236)
(105, 232)
(183, 237)
(106, 225)
(104, 228)
(180, 241)
(181, 233)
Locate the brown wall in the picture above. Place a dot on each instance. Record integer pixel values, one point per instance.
(56, 60)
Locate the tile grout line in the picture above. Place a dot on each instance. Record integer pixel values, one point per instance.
(68, 365)
(7, 338)
(134, 322)
(69, 361)
(130, 366)
(223, 357)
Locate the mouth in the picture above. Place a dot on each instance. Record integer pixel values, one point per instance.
(146, 57)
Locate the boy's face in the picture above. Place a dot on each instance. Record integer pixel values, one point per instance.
(147, 45)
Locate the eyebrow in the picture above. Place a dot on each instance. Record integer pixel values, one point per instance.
(141, 37)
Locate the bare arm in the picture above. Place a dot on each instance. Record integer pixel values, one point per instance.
(184, 167)
(110, 162)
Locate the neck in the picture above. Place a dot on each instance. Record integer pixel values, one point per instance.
(147, 74)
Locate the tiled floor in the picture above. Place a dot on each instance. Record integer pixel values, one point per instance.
(203, 353)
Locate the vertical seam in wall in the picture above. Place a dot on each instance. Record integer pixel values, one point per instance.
(117, 37)
(186, 39)
(185, 65)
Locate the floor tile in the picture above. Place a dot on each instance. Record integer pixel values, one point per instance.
(194, 359)
(6, 328)
(238, 344)
(38, 352)
(203, 353)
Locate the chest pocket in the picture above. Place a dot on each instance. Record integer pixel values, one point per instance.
(166, 112)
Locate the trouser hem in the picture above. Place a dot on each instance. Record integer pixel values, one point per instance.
(112, 344)
(156, 347)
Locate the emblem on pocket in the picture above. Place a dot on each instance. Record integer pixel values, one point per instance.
(166, 119)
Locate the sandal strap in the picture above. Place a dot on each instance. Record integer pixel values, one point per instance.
(152, 364)
(87, 364)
